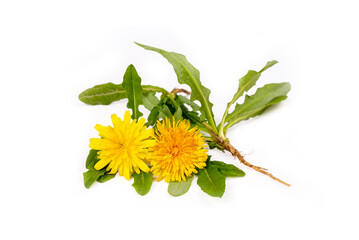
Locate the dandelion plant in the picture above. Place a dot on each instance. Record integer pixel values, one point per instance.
(174, 142)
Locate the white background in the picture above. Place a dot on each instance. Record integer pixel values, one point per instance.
(50, 51)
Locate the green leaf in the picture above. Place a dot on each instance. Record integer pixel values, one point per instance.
(154, 114)
(189, 75)
(178, 114)
(103, 94)
(109, 92)
(228, 170)
(245, 83)
(256, 104)
(105, 178)
(211, 181)
(92, 175)
(268, 65)
(142, 182)
(132, 85)
(192, 116)
(160, 111)
(185, 100)
(91, 158)
(149, 100)
(179, 188)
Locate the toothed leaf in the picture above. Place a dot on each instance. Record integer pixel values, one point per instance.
(256, 104)
(187, 74)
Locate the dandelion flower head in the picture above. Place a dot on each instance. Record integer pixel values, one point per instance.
(179, 150)
(124, 146)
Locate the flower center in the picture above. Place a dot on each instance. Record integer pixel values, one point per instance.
(175, 151)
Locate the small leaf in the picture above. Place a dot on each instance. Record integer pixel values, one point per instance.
(179, 188)
(211, 181)
(187, 74)
(256, 104)
(268, 65)
(132, 85)
(142, 182)
(91, 158)
(154, 114)
(105, 178)
(92, 175)
(103, 94)
(228, 170)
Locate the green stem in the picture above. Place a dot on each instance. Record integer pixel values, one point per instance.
(222, 133)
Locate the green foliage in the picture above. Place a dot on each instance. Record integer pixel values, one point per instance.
(249, 80)
(179, 188)
(256, 104)
(228, 170)
(105, 178)
(159, 111)
(142, 182)
(91, 158)
(185, 100)
(93, 175)
(103, 94)
(189, 75)
(245, 83)
(132, 85)
(193, 116)
(211, 181)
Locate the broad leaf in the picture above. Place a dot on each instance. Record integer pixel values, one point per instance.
(132, 85)
(211, 181)
(180, 188)
(103, 94)
(105, 178)
(189, 75)
(255, 104)
(142, 182)
(228, 170)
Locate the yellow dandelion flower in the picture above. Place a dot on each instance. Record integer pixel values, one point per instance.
(178, 152)
(124, 146)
